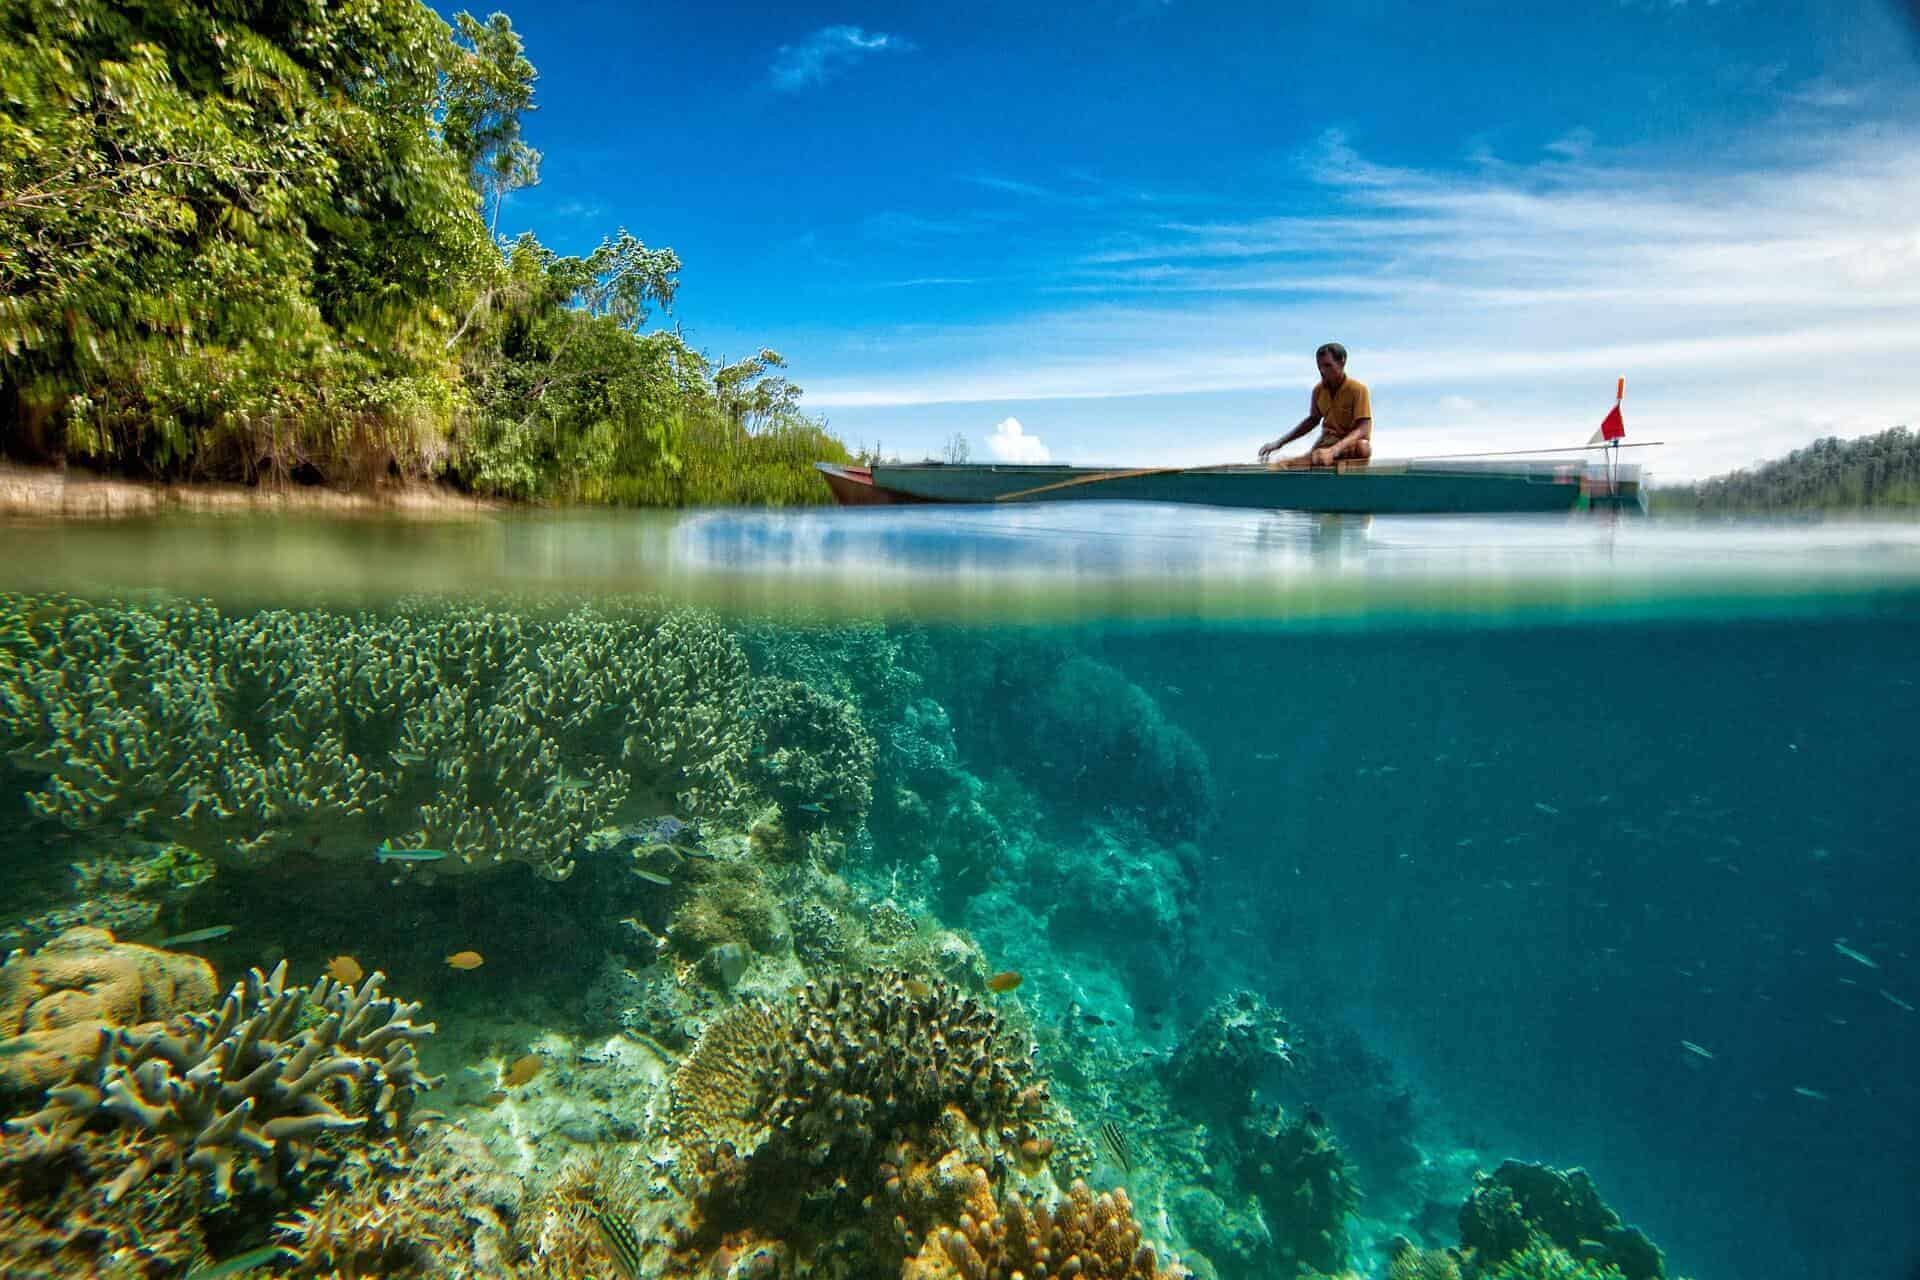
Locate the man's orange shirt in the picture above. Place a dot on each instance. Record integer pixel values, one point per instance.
(1339, 410)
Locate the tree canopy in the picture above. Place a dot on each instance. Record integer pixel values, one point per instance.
(255, 239)
(1878, 471)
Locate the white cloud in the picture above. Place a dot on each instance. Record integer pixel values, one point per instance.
(1573, 145)
(826, 53)
(1011, 443)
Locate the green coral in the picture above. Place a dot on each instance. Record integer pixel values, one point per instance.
(1520, 1206)
(814, 758)
(497, 736)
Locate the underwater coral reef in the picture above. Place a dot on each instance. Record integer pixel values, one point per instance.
(733, 949)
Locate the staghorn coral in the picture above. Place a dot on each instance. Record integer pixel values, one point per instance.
(496, 735)
(244, 1092)
(54, 1002)
(448, 1213)
(1088, 1236)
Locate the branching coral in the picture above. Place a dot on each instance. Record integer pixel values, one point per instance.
(1089, 1236)
(244, 1092)
(494, 735)
(448, 1214)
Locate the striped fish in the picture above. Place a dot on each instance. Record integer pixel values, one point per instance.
(1115, 1142)
(622, 1241)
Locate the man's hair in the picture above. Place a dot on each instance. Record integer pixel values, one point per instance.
(1333, 349)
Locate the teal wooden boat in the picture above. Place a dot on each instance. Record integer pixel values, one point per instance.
(1412, 487)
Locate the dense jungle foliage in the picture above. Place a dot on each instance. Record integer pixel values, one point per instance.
(257, 239)
(1832, 474)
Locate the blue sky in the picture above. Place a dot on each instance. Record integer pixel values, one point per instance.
(1126, 224)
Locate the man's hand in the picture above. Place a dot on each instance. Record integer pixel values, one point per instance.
(1267, 448)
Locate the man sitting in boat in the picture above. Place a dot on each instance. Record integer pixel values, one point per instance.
(1340, 408)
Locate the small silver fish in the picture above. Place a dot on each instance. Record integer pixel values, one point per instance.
(1697, 1050)
(1546, 808)
(1851, 954)
(387, 853)
(238, 1264)
(1895, 1000)
(198, 935)
(1805, 1092)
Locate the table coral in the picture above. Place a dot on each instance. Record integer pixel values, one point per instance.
(495, 735)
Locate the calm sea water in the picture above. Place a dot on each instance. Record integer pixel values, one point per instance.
(1591, 842)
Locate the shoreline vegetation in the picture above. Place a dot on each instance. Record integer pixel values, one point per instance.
(261, 247)
(1873, 473)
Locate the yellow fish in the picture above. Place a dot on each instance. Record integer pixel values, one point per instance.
(1004, 982)
(345, 969)
(466, 960)
(522, 1071)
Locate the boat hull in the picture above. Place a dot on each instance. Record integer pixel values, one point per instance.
(1409, 488)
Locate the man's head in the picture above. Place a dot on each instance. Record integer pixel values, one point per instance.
(1332, 359)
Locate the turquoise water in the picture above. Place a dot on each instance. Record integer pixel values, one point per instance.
(1333, 856)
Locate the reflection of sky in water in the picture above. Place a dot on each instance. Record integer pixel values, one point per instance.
(1137, 540)
(1074, 559)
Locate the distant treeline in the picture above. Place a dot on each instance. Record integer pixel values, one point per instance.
(257, 239)
(1832, 474)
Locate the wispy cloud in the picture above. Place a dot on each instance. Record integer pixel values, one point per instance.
(827, 53)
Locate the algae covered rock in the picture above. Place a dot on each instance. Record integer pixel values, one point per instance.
(1520, 1205)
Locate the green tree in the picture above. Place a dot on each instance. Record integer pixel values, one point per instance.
(226, 235)
(488, 88)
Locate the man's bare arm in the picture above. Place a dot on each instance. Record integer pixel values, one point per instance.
(1305, 425)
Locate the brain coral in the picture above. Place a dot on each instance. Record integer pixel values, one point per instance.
(844, 1065)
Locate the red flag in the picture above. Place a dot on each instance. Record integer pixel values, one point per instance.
(1612, 427)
